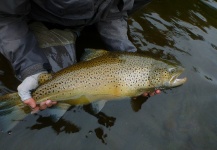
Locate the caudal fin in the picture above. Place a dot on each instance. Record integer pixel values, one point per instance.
(12, 111)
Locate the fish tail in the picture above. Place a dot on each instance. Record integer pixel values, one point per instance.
(12, 111)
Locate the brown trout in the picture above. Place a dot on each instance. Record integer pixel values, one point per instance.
(102, 75)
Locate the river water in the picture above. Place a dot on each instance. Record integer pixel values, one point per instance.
(176, 119)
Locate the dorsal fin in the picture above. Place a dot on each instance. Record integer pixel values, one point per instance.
(92, 53)
(44, 77)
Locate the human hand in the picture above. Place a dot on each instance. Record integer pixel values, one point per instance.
(24, 90)
(146, 94)
(35, 108)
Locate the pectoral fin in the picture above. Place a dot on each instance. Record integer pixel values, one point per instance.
(98, 106)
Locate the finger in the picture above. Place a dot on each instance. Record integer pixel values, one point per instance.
(43, 105)
(157, 92)
(50, 103)
(54, 102)
(151, 94)
(30, 102)
(145, 94)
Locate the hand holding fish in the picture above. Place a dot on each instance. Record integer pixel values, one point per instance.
(43, 105)
(31, 83)
(24, 91)
(151, 94)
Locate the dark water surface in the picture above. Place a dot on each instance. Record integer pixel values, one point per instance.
(184, 118)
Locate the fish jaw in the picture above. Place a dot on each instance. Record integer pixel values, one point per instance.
(175, 81)
(178, 82)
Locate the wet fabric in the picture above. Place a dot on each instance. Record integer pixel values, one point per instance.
(58, 45)
(19, 45)
(113, 33)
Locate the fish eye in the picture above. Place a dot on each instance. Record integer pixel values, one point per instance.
(171, 70)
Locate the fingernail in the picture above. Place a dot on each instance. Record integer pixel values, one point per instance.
(157, 91)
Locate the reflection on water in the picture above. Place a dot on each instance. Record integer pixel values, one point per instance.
(180, 118)
(65, 126)
(210, 3)
(59, 126)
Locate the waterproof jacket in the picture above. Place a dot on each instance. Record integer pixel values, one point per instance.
(18, 43)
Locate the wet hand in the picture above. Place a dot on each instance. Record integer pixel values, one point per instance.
(35, 108)
(146, 94)
(24, 90)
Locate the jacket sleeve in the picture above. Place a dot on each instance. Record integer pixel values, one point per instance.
(17, 42)
(114, 35)
(113, 29)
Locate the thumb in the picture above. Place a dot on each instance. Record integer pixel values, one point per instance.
(30, 102)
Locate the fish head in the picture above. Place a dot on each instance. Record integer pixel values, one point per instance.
(168, 76)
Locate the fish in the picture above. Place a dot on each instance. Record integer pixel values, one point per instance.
(100, 76)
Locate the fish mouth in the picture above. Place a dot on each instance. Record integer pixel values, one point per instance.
(176, 81)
